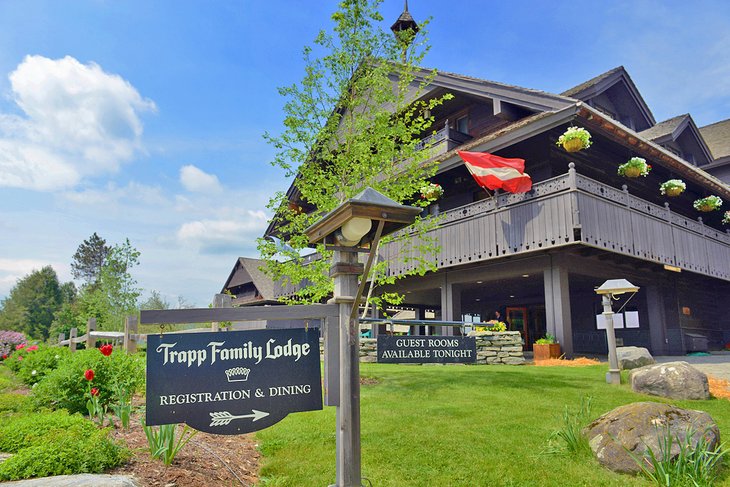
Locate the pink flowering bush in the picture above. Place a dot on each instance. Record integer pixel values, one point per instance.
(8, 341)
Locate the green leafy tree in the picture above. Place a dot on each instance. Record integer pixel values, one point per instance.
(89, 259)
(115, 294)
(355, 120)
(32, 303)
(155, 301)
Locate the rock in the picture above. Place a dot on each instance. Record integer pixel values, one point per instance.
(633, 357)
(82, 480)
(676, 380)
(5, 456)
(513, 360)
(634, 427)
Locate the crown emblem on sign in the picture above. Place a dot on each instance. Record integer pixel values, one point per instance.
(237, 374)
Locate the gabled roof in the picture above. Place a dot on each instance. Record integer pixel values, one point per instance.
(717, 138)
(673, 128)
(595, 86)
(534, 100)
(248, 270)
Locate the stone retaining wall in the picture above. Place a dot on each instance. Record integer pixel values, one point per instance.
(492, 348)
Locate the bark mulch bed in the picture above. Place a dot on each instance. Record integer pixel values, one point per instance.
(205, 461)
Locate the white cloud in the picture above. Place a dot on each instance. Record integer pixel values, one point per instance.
(225, 235)
(77, 121)
(197, 181)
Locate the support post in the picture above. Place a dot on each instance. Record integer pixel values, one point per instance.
(345, 270)
(557, 307)
(130, 332)
(61, 337)
(71, 337)
(90, 326)
(220, 301)
(614, 375)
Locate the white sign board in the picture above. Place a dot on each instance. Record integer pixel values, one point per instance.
(618, 321)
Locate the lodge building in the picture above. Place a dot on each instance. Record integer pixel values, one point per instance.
(537, 257)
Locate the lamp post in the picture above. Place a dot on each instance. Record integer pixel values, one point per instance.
(349, 229)
(609, 289)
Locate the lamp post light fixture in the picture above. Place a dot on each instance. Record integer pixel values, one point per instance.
(609, 289)
(356, 225)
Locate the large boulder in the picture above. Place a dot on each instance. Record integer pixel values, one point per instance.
(636, 427)
(676, 380)
(633, 357)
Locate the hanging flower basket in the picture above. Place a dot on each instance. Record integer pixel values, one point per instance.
(636, 167)
(710, 203)
(431, 191)
(575, 139)
(673, 187)
(726, 218)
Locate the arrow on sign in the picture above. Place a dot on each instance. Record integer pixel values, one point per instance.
(222, 418)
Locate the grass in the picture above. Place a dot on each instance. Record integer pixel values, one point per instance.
(460, 426)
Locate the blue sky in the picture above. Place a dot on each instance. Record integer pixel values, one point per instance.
(144, 119)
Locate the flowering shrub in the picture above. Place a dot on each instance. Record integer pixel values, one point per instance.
(431, 191)
(8, 341)
(15, 361)
(494, 325)
(67, 386)
(575, 134)
(708, 204)
(36, 365)
(672, 187)
(636, 166)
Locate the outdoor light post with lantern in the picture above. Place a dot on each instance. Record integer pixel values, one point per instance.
(354, 226)
(609, 289)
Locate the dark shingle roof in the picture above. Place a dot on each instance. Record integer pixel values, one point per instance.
(572, 92)
(717, 138)
(662, 129)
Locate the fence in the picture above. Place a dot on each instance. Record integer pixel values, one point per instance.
(129, 337)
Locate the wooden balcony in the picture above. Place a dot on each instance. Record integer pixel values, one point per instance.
(568, 210)
(444, 140)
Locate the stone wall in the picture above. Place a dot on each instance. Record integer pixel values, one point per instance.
(492, 348)
(499, 347)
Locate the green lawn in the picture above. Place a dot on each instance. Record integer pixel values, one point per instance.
(459, 426)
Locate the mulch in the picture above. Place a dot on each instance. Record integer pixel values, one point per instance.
(205, 461)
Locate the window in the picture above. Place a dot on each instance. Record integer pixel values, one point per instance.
(462, 124)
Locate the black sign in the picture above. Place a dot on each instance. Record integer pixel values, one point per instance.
(426, 349)
(233, 382)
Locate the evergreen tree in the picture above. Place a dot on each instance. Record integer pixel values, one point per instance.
(89, 259)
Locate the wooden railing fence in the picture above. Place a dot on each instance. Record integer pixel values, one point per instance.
(129, 338)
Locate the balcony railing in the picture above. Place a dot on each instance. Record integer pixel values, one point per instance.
(571, 209)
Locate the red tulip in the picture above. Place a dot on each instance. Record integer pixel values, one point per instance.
(94, 391)
(89, 375)
(4, 357)
(20, 347)
(106, 350)
(33, 348)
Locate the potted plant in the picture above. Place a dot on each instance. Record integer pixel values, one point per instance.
(673, 187)
(710, 203)
(431, 191)
(575, 139)
(726, 218)
(635, 167)
(546, 348)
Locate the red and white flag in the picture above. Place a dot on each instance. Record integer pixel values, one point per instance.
(494, 172)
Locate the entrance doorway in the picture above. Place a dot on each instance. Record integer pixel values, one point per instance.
(517, 319)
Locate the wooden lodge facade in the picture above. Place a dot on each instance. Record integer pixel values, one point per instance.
(537, 257)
